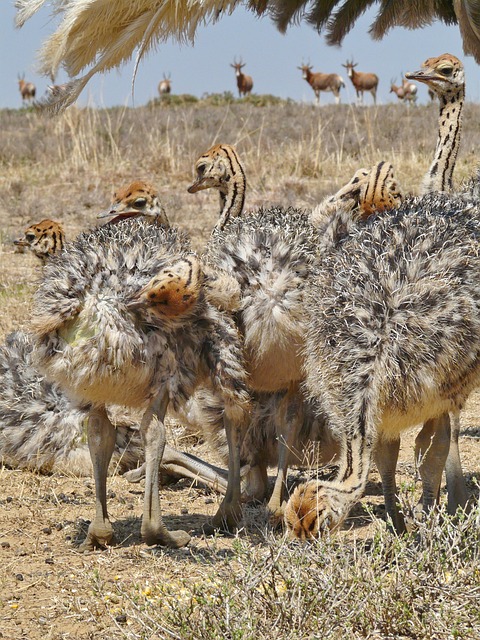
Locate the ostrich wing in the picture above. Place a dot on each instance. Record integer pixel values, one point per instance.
(105, 33)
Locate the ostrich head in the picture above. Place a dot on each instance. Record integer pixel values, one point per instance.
(44, 239)
(220, 168)
(136, 199)
(173, 292)
(444, 75)
(214, 169)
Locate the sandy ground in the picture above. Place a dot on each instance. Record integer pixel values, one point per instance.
(49, 589)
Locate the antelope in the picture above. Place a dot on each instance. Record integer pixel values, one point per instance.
(410, 89)
(109, 38)
(322, 82)
(362, 81)
(165, 86)
(406, 91)
(27, 89)
(244, 82)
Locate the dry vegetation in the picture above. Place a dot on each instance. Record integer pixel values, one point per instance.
(362, 583)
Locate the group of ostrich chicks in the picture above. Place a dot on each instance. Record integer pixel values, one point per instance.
(345, 325)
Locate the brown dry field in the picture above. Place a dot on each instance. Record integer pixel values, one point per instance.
(66, 169)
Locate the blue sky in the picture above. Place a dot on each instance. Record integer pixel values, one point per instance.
(271, 58)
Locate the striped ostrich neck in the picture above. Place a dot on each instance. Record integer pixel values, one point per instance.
(232, 189)
(439, 175)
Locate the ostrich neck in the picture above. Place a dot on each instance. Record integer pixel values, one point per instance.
(439, 176)
(232, 198)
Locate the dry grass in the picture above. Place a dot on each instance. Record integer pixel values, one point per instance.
(67, 167)
(362, 583)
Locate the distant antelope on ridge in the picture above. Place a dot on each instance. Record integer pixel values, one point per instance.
(407, 91)
(165, 86)
(244, 82)
(27, 89)
(362, 81)
(322, 82)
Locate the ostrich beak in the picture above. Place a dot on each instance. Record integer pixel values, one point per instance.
(137, 301)
(420, 76)
(116, 215)
(198, 185)
(107, 214)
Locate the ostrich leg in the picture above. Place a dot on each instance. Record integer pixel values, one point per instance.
(386, 458)
(287, 437)
(186, 465)
(152, 430)
(431, 450)
(229, 513)
(457, 490)
(101, 443)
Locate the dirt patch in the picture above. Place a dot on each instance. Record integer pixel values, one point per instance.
(50, 590)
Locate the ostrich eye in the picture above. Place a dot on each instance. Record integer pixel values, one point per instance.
(29, 237)
(140, 203)
(446, 71)
(201, 169)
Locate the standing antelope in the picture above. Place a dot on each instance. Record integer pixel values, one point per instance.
(322, 82)
(165, 86)
(410, 89)
(362, 81)
(244, 82)
(406, 91)
(27, 89)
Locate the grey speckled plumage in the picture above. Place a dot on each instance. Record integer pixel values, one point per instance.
(394, 336)
(270, 252)
(98, 350)
(122, 317)
(40, 428)
(403, 288)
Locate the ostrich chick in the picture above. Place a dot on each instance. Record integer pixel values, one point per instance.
(269, 253)
(445, 76)
(139, 198)
(44, 239)
(393, 339)
(121, 318)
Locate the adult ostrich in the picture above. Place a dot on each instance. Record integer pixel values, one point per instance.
(102, 35)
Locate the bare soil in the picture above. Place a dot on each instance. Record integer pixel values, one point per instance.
(48, 589)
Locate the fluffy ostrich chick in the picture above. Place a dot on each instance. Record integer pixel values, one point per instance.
(121, 318)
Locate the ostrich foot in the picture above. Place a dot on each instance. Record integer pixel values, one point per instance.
(159, 535)
(135, 475)
(276, 513)
(99, 535)
(225, 521)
